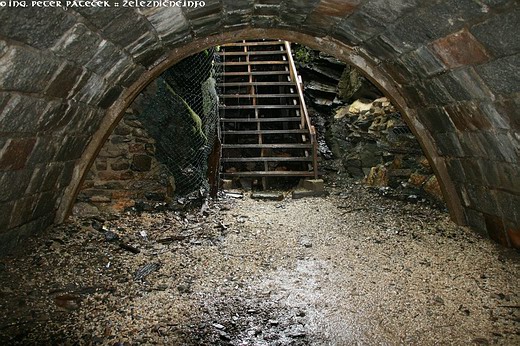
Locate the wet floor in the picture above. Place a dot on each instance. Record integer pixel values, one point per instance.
(352, 268)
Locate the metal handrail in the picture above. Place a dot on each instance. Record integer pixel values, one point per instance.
(306, 121)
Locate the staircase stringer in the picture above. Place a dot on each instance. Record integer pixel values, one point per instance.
(304, 114)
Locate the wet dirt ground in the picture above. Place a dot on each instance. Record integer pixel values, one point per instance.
(352, 268)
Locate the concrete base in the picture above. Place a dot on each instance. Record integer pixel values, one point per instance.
(310, 188)
(268, 195)
(314, 185)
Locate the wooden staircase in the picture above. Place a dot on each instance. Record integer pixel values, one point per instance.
(265, 129)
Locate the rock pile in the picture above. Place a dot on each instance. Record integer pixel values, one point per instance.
(329, 82)
(374, 144)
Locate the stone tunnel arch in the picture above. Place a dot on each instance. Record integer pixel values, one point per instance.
(325, 44)
(451, 66)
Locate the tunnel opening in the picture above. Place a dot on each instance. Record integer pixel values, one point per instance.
(376, 76)
(167, 149)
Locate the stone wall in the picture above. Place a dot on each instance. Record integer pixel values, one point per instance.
(451, 66)
(125, 172)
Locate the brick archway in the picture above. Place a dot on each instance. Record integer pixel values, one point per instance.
(451, 66)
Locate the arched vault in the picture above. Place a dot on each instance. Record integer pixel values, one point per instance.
(452, 67)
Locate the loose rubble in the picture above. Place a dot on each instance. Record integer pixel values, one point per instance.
(349, 268)
(373, 143)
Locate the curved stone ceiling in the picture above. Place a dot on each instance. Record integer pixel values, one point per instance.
(452, 67)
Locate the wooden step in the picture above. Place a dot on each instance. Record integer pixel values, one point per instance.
(225, 96)
(283, 91)
(259, 120)
(270, 174)
(253, 52)
(266, 159)
(245, 63)
(264, 132)
(268, 146)
(256, 84)
(224, 107)
(254, 73)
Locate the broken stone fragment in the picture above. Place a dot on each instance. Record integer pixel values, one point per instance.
(306, 243)
(433, 188)
(234, 194)
(341, 113)
(268, 195)
(67, 302)
(82, 209)
(100, 199)
(314, 185)
(381, 102)
(218, 326)
(184, 288)
(227, 184)
(224, 336)
(359, 107)
(417, 179)
(378, 176)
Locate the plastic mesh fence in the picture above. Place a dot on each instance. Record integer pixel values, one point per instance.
(182, 116)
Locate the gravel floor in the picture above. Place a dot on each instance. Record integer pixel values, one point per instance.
(352, 268)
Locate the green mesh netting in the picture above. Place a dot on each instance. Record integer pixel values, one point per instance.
(182, 117)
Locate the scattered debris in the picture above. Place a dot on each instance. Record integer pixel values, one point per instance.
(268, 195)
(67, 302)
(184, 288)
(306, 243)
(146, 270)
(234, 194)
(171, 239)
(242, 218)
(130, 248)
(351, 267)
(218, 326)
(111, 236)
